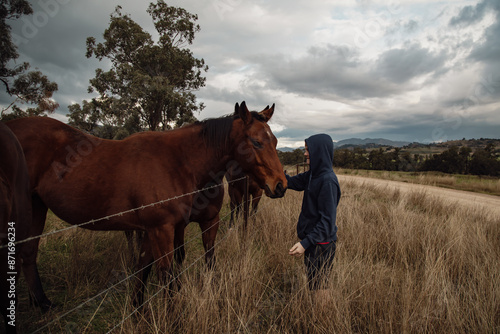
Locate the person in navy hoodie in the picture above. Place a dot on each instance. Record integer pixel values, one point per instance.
(316, 227)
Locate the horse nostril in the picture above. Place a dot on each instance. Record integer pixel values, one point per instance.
(280, 189)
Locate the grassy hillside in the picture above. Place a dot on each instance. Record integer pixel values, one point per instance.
(404, 263)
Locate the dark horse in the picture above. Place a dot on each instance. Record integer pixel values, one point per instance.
(83, 178)
(15, 222)
(205, 212)
(236, 190)
(237, 187)
(206, 207)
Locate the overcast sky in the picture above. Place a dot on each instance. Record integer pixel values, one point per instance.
(409, 70)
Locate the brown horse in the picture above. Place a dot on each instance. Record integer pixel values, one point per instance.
(15, 222)
(82, 178)
(236, 190)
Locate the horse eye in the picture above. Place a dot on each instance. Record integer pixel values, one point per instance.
(256, 143)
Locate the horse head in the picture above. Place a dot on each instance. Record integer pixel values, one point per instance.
(255, 151)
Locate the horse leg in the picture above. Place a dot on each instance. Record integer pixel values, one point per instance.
(162, 245)
(130, 245)
(209, 233)
(139, 237)
(144, 266)
(256, 197)
(232, 206)
(134, 243)
(238, 203)
(29, 252)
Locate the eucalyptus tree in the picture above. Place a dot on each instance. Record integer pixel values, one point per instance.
(152, 81)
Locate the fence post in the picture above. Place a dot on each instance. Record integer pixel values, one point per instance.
(246, 200)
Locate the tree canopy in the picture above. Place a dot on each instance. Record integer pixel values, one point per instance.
(150, 84)
(30, 87)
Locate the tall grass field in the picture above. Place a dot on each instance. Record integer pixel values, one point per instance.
(405, 263)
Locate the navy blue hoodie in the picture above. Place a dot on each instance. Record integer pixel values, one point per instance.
(321, 193)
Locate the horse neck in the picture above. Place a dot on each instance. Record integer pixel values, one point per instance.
(206, 163)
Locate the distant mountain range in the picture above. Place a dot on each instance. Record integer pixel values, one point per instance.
(366, 141)
(358, 142)
(288, 149)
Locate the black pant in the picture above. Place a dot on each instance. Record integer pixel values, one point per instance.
(318, 260)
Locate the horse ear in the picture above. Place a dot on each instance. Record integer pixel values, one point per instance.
(236, 108)
(245, 113)
(268, 113)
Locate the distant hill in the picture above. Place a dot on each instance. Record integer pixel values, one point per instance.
(370, 142)
(363, 143)
(288, 149)
(474, 144)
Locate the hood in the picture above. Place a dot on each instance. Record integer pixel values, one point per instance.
(320, 148)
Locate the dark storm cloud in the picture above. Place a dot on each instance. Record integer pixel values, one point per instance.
(470, 14)
(401, 65)
(327, 72)
(334, 73)
(488, 52)
(53, 40)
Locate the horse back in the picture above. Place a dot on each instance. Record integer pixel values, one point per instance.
(47, 145)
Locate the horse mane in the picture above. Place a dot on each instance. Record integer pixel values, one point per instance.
(216, 131)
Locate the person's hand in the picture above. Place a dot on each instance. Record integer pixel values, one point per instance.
(297, 250)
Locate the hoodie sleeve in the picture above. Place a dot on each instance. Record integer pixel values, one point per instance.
(298, 182)
(326, 228)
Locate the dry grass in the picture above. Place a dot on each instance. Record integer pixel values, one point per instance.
(480, 184)
(404, 264)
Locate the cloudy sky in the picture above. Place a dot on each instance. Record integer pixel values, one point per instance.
(408, 70)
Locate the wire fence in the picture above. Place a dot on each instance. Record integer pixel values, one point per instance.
(119, 214)
(172, 280)
(134, 274)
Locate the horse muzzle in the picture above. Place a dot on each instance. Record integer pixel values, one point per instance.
(278, 192)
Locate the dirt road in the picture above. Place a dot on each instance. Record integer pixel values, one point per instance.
(487, 202)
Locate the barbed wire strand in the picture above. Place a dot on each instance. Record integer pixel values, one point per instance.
(138, 271)
(131, 275)
(142, 207)
(168, 283)
(250, 216)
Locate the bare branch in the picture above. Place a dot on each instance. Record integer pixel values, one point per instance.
(6, 85)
